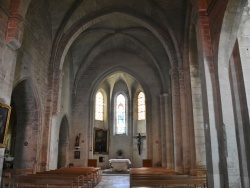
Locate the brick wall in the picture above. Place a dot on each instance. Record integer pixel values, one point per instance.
(33, 56)
(4, 52)
(32, 64)
(215, 21)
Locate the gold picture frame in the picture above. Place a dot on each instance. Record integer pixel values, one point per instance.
(101, 140)
(4, 123)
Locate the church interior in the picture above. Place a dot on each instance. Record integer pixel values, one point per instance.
(164, 80)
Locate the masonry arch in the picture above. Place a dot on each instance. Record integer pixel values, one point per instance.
(139, 82)
(228, 69)
(70, 36)
(27, 124)
(138, 48)
(113, 82)
(63, 144)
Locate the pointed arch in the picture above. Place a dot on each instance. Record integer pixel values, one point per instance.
(28, 125)
(63, 143)
(121, 113)
(99, 108)
(141, 106)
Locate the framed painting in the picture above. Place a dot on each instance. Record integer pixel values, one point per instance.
(101, 141)
(77, 155)
(4, 123)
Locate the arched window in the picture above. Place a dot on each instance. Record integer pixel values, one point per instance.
(141, 106)
(99, 106)
(120, 115)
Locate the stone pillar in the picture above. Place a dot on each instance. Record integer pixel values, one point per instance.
(216, 162)
(162, 132)
(177, 131)
(243, 115)
(166, 132)
(195, 105)
(12, 35)
(238, 120)
(199, 137)
(169, 132)
(186, 150)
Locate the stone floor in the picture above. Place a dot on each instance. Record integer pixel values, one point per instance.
(114, 181)
(120, 181)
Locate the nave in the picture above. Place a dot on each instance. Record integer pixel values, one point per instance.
(139, 79)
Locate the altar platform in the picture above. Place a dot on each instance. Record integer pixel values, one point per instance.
(120, 164)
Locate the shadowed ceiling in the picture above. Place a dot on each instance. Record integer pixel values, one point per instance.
(150, 29)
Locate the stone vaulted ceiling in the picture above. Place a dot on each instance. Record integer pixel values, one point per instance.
(151, 29)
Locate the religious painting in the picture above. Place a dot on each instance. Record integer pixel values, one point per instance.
(100, 141)
(77, 155)
(4, 122)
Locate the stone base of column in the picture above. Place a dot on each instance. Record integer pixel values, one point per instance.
(170, 165)
(164, 165)
(179, 169)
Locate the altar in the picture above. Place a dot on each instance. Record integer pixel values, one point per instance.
(119, 164)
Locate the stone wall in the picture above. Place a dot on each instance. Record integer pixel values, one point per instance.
(32, 65)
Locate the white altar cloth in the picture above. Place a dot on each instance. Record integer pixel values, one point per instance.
(120, 164)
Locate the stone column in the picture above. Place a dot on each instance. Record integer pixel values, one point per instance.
(216, 162)
(243, 114)
(184, 122)
(177, 131)
(166, 132)
(169, 132)
(12, 34)
(163, 131)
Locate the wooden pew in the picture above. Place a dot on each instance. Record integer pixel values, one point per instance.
(20, 171)
(10, 173)
(6, 179)
(148, 177)
(91, 175)
(75, 176)
(37, 182)
(95, 172)
(152, 170)
(78, 180)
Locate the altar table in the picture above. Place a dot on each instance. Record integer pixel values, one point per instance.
(120, 164)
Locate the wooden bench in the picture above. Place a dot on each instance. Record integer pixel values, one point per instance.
(152, 170)
(6, 179)
(64, 177)
(11, 173)
(92, 176)
(37, 182)
(93, 172)
(78, 180)
(19, 171)
(148, 177)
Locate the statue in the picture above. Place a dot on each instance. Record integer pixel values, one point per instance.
(77, 143)
(139, 137)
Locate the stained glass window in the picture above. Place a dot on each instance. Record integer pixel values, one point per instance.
(99, 106)
(141, 106)
(120, 114)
